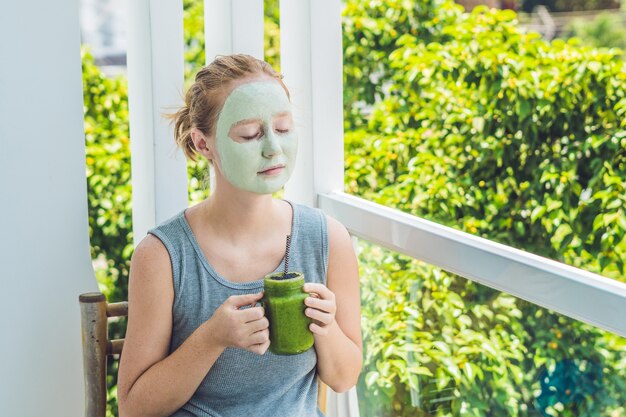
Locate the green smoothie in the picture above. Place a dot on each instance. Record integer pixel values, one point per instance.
(283, 301)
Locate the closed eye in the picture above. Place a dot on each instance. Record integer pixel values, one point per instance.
(257, 135)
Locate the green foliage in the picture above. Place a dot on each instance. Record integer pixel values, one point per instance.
(271, 40)
(606, 30)
(370, 31)
(108, 173)
(503, 135)
(425, 342)
(570, 5)
(193, 23)
(109, 191)
(441, 345)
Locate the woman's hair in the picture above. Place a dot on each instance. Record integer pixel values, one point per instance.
(205, 97)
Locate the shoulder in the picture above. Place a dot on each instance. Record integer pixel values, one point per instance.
(150, 263)
(338, 236)
(169, 227)
(342, 260)
(150, 249)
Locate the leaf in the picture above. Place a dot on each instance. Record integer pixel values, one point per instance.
(488, 348)
(524, 109)
(442, 379)
(537, 213)
(467, 368)
(603, 261)
(371, 378)
(419, 370)
(443, 347)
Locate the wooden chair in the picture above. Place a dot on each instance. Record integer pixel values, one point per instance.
(95, 312)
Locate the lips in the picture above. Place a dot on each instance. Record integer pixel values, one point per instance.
(272, 170)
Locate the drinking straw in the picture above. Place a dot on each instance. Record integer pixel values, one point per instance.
(287, 255)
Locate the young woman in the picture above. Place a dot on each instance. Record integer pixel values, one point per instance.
(197, 339)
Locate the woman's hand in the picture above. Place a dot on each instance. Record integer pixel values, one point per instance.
(231, 326)
(321, 307)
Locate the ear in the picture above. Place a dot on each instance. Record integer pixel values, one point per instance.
(201, 143)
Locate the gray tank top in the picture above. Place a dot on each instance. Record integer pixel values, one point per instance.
(242, 383)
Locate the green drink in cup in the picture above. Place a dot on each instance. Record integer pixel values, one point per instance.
(283, 301)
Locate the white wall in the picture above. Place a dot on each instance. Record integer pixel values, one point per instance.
(44, 246)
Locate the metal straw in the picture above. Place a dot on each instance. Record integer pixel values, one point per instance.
(287, 255)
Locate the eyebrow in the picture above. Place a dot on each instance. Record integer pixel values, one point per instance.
(282, 113)
(249, 121)
(245, 122)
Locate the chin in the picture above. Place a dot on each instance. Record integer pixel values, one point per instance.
(269, 188)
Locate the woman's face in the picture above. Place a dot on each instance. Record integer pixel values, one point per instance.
(255, 138)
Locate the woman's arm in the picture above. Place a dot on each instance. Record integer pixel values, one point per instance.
(337, 312)
(151, 383)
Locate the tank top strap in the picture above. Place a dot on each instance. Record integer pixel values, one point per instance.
(310, 248)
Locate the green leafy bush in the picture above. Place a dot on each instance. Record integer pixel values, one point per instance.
(506, 136)
(606, 30)
(370, 31)
(109, 191)
(570, 5)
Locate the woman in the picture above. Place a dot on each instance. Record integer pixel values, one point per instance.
(197, 339)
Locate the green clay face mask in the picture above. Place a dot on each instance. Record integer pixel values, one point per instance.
(255, 137)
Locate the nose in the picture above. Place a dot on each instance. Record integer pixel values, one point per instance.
(271, 145)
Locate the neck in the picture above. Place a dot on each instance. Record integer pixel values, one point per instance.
(242, 215)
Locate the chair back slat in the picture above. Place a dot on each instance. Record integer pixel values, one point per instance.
(117, 309)
(115, 347)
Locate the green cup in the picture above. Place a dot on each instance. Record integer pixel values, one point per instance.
(283, 300)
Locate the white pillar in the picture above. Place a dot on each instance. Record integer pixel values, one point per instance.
(311, 58)
(312, 62)
(233, 27)
(155, 87)
(44, 248)
(248, 28)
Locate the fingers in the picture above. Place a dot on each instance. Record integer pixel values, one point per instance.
(259, 341)
(319, 289)
(252, 333)
(317, 329)
(259, 349)
(258, 325)
(320, 309)
(320, 304)
(320, 316)
(259, 337)
(237, 301)
(251, 314)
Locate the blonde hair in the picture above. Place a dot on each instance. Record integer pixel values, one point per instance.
(205, 97)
